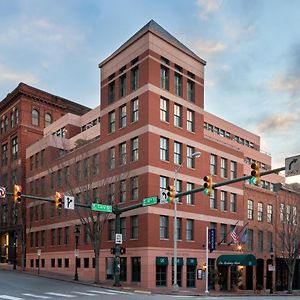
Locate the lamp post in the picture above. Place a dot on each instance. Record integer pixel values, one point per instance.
(272, 264)
(175, 285)
(77, 234)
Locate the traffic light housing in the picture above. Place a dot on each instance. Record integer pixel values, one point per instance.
(17, 193)
(112, 250)
(171, 193)
(58, 200)
(207, 185)
(255, 173)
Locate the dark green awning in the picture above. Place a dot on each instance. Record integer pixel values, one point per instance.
(179, 261)
(191, 261)
(162, 261)
(236, 260)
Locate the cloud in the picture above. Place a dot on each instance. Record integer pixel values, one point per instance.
(207, 7)
(279, 122)
(16, 76)
(208, 47)
(286, 84)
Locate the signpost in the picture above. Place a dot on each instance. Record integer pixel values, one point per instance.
(69, 202)
(149, 201)
(163, 196)
(292, 166)
(119, 238)
(2, 192)
(101, 207)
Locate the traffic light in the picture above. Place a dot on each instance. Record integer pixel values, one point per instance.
(17, 193)
(58, 200)
(207, 185)
(255, 173)
(171, 193)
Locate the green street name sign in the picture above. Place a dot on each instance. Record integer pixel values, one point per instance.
(101, 207)
(149, 201)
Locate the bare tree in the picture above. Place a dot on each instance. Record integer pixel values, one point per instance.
(288, 231)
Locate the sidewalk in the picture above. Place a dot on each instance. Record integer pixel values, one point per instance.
(126, 287)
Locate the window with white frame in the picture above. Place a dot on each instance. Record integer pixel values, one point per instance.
(232, 202)
(177, 115)
(233, 170)
(223, 167)
(178, 84)
(134, 78)
(164, 149)
(123, 85)
(163, 182)
(14, 148)
(270, 213)
(134, 149)
(122, 154)
(190, 90)
(112, 157)
(190, 120)
(259, 211)
(282, 212)
(122, 191)
(111, 193)
(164, 227)
(223, 233)
(213, 164)
(189, 230)
(164, 110)
(123, 116)
(178, 189)
(134, 110)
(134, 227)
(213, 199)
(111, 122)
(223, 201)
(190, 162)
(189, 197)
(35, 117)
(177, 153)
(164, 77)
(134, 188)
(250, 210)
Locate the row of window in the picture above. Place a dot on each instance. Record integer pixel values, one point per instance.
(224, 205)
(53, 264)
(14, 149)
(35, 118)
(90, 124)
(288, 214)
(14, 120)
(260, 211)
(223, 167)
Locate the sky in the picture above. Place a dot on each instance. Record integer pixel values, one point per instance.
(252, 50)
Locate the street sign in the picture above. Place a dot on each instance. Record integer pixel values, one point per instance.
(271, 268)
(101, 207)
(69, 202)
(39, 252)
(163, 197)
(149, 201)
(2, 192)
(119, 238)
(292, 166)
(76, 253)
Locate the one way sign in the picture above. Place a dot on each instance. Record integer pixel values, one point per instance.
(292, 166)
(69, 202)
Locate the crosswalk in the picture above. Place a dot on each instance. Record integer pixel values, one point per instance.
(71, 294)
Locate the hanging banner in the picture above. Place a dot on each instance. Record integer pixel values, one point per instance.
(212, 240)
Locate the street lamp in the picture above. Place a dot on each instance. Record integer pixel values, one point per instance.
(175, 285)
(77, 234)
(272, 264)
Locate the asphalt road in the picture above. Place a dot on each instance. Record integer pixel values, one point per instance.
(21, 286)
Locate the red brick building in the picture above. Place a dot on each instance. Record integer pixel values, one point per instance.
(150, 121)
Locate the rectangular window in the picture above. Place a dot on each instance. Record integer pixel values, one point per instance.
(223, 201)
(85, 167)
(111, 193)
(177, 115)
(135, 149)
(134, 188)
(259, 211)
(111, 122)
(122, 85)
(163, 182)
(123, 228)
(260, 241)
(67, 236)
(96, 195)
(111, 92)
(59, 236)
(178, 84)
(177, 153)
(134, 227)
(77, 172)
(190, 197)
(164, 110)
(66, 174)
(96, 164)
(178, 189)
(14, 148)
(270, 241)
(37, 160)
(134, 110)
(136, 269)
(164, 77)
(223, 167)
(164, 227)
(190, 162)
(213, 199)
(189, 230)
(179, 229)
(270, 213)
(232, 202)
(52, 239)
(233, 170)
(164, 149)
(4, 156)
(223, 233)
(190, 121)
(111, 230)
(122, 191)
(213, 164)
(122, 153)
(43, 238)
(191, 90)
(282, 213)
(134, 78)
(122, 112)
(250, 210)
(111, 158)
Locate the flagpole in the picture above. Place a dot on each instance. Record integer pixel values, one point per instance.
(206, 273)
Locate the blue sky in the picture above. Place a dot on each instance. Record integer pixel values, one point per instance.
(252, 49)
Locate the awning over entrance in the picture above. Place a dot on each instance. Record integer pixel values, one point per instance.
(179, 261)
(236, 260)
(162, 261)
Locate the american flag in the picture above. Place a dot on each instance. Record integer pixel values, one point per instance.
(234, 236)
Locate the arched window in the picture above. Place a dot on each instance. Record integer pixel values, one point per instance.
(48, 119)
(35, 117)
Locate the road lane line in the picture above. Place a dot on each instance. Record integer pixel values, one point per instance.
(102, 292)
(36, 296)
(85, 294)
(10, 297)
(60, 295)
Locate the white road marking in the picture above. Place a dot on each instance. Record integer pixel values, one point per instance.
(10, 297)
(102, 292)
(36, 296)
(85, 294)
(60, 295)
